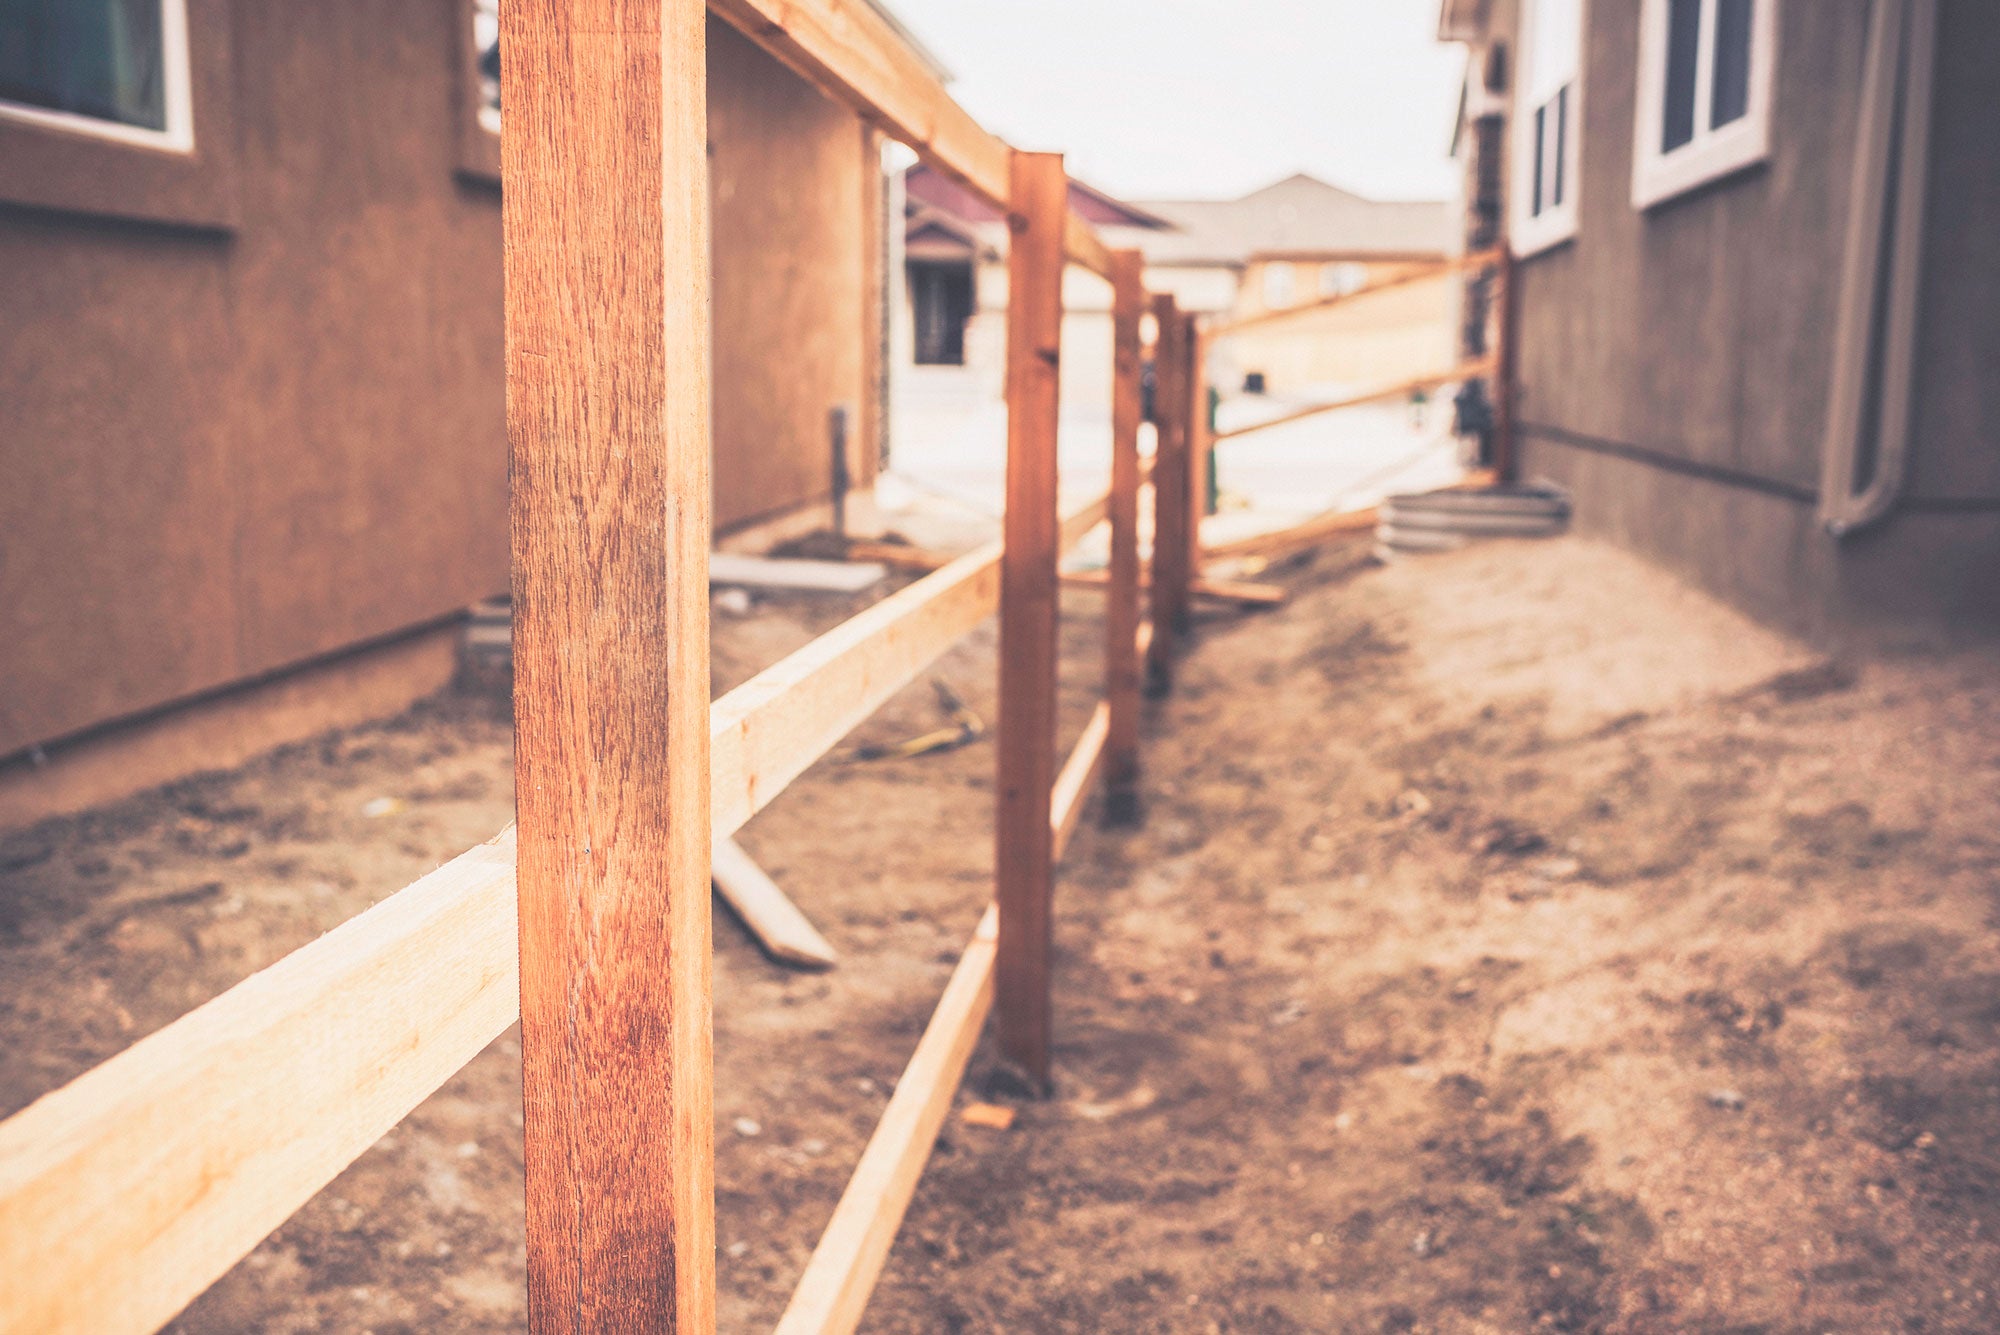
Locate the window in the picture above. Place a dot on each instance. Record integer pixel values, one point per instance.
(1337, 280)
(1280, 282)
(941, 299)
(486, 58)
(115, 69)
(1705, 74)
(1547, 123)
(479, 90)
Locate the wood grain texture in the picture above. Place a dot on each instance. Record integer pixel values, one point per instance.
(607, 312)
(1123, 679)
(1200, 445)
(1025, 736)
(834, 1290)
(1430, 380)
(1170, 499)
(129, 1190)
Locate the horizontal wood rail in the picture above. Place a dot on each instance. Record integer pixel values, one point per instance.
(1463, 371)
(1424, 273)
(1320, 527)
(841, 1274)
(1077, 776)
(852, 53)
(128, 1191)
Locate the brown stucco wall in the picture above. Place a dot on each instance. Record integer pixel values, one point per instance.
(795, 303)
(228, 450)
(1701, 333)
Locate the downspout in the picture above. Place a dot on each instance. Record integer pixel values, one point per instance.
(1881, 272)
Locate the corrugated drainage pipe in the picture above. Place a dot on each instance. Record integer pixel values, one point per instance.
(1875, 340)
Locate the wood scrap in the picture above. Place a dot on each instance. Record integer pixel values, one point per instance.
(786, 934)
(773, 572)
(966, 727)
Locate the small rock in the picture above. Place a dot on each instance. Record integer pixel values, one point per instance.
(1727, 1099)
(737, 1249)
(748, 1126)
(1421, 1244)
(732, 602)
(377, 807)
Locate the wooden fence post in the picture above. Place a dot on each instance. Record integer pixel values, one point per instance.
(1170, 499)
(1505, 322)
(1026, 738)
(1123, 679)
(1199, 443)
(606, 221)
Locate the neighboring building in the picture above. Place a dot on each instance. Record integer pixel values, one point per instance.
(1758, 289)
(1290, 243)
(1281, 246)
(251, 369)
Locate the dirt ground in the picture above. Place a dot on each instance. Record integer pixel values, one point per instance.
(1514, 940)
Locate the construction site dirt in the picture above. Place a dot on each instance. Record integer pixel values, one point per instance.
(1513, 939)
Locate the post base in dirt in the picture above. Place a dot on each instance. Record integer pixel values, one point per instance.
(1122, 806)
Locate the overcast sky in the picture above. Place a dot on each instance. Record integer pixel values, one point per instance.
(1159, 99)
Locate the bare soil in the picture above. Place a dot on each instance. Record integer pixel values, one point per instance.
(1514, 940)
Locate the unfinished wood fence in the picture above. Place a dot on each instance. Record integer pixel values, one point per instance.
(127, 1192)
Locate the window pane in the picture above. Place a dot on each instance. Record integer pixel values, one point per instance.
(1559, 191)
(1731, 98)
(1683, 42)
(99, 58)
(1278, 280)
(486, 39)
(1541, 136)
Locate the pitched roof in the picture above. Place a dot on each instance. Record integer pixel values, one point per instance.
(1300, 215)
(936, 191)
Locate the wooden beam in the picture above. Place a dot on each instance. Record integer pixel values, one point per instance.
(1221, 590)
(606, 228)
(1463, 371)
(786, 934)
(770, 730)
(1025, 750)
(131, 1189)
(853, 54)
(1201, 444)
(1422, 273)
(1124, 679)
(1170, 499)
(834, 1290)
(1072, 786)
(1312, 532)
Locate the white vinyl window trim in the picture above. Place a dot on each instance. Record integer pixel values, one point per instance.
(1546, 158)
(1714, 151)
(177, 75)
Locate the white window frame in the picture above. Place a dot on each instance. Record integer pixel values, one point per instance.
(176, 72)
(489, 117)
(1713, 153)
(1532, 233)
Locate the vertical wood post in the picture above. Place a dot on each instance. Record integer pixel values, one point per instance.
(606, 221)
(1198, 447)
(1123, 679)
(1026, 739)
(1505, 322)
(1170, 499)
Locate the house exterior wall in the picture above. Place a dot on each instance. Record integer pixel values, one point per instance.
(273, 430)
(1675, 363)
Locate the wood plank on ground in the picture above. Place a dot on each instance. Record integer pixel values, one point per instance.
(784, 932)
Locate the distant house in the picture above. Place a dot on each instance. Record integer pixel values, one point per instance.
(1280, 246)
(1759, 288)
(252, 376)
